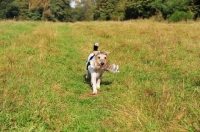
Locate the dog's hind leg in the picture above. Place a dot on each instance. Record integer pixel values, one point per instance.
(87, 74)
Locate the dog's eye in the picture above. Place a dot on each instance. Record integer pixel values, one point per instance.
(98, 57)
(105, 58)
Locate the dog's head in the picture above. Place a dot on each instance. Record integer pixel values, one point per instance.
(101, 58)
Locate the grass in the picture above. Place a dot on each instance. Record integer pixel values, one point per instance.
(42, 67)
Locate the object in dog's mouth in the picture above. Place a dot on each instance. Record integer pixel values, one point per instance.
(111, 67)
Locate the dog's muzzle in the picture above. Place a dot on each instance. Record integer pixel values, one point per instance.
(102, 63)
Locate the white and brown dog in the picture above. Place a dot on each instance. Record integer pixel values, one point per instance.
(96, 65)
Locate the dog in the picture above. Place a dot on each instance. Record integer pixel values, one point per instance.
(96, 65)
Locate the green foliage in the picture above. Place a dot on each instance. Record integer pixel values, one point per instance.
(104, 9)
(119, 12)
(8, 9)
(60, 9)
(13, 11)
(171, 6)
(110, 10)
(77, 15)
(23, 9)
(34, 15)
(180, 16)
(195, 8)
(84, 10)
(158, 16)
(139, 9)
(88, 10)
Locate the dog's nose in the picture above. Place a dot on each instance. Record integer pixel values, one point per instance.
(102, 63)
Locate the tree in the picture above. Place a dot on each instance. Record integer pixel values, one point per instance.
(34, 15)
(84, 10)
(171, 6)
(88, 7)
(106, 9)
(194, 6)
(138, 8)
(23, 8)
(87, 10)
(13, 11)
(157, 6)
(44, 7)
(60, 9)
(119, 10)
(8, 9)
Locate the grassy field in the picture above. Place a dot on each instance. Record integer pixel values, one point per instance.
(42, 86)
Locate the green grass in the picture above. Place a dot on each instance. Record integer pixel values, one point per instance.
(42, 86)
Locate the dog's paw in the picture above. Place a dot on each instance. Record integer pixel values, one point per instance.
(94, 92)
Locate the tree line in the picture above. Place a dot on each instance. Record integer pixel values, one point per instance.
(89, 10)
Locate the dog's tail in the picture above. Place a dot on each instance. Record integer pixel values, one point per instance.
(96, 45)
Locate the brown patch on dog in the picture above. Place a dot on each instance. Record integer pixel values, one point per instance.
(107, 53)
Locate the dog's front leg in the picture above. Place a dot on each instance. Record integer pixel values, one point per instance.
(98, 82)
(94, 82)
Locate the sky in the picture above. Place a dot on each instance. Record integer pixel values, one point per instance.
(72, 4)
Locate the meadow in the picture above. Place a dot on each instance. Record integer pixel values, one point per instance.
(42, 85)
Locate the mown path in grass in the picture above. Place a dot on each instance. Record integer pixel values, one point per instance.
(42, 80)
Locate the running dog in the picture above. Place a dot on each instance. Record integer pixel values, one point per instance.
(96, 65)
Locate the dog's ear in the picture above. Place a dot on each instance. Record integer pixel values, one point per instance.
(107, 53)
(96, 52)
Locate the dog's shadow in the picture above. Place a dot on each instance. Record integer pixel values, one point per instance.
(88, 81)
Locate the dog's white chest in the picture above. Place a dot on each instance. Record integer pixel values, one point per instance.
(99, 73)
